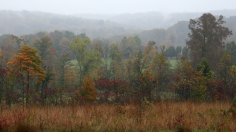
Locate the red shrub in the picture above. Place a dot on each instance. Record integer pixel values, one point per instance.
(117, 89)
(218, 90)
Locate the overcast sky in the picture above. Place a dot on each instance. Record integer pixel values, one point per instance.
(116, 6)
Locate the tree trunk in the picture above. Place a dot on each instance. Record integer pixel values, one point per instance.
(28, 83)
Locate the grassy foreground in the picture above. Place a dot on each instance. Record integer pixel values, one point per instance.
(163, 116)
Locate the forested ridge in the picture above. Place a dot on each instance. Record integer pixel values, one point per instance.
(26, 22)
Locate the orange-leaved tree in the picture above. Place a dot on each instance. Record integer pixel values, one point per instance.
(28, 63)
(88, 89)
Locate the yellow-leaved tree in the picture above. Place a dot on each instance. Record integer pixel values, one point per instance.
(88, 89)
(28, 63)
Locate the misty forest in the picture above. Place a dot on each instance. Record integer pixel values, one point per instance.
(133, 72)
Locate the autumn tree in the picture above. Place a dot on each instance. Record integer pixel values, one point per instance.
(98, 47)
(167, 43)
(63, 45)
(88, 89)
(28, 63)
(206, 39)
(161, 72)
(142, 79)
(150, 46)
(190, 84)
(104, 45)
(55, 37)
(149, 54)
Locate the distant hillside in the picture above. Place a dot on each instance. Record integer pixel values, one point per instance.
(25, 22)
(151, 20)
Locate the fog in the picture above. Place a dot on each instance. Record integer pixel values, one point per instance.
(70, 7)
(149, 19)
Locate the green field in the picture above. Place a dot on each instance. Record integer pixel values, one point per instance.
(173, 63)
(108, 61)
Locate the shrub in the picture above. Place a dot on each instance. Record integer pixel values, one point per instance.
(219, 90)
(191, 84)
(117, 90)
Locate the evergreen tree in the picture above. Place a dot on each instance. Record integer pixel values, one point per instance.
(204, 66)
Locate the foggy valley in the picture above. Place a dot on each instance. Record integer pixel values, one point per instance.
(117, 65)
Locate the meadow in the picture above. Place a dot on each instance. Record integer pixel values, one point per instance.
(172, 62)
(162, 116)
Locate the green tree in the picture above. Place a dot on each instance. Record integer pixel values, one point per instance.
(87, 59)
(43, 45)
(69, 35)
(224, 67)
(185, 51)
(114, 53)
(82, 36)
(178, 50)
(171, 51)
(150, 46)
(63, 63)
(128, 46)
(19, 41)
(116, 62)
(41, 34)
(231, 46)
(204, 67)
(137, 40)
(161, 72)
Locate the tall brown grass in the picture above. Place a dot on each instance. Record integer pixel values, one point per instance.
(176, 116)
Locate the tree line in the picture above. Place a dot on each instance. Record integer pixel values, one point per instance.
(62, 68)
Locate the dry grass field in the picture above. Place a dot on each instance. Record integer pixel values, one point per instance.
(163, 116)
